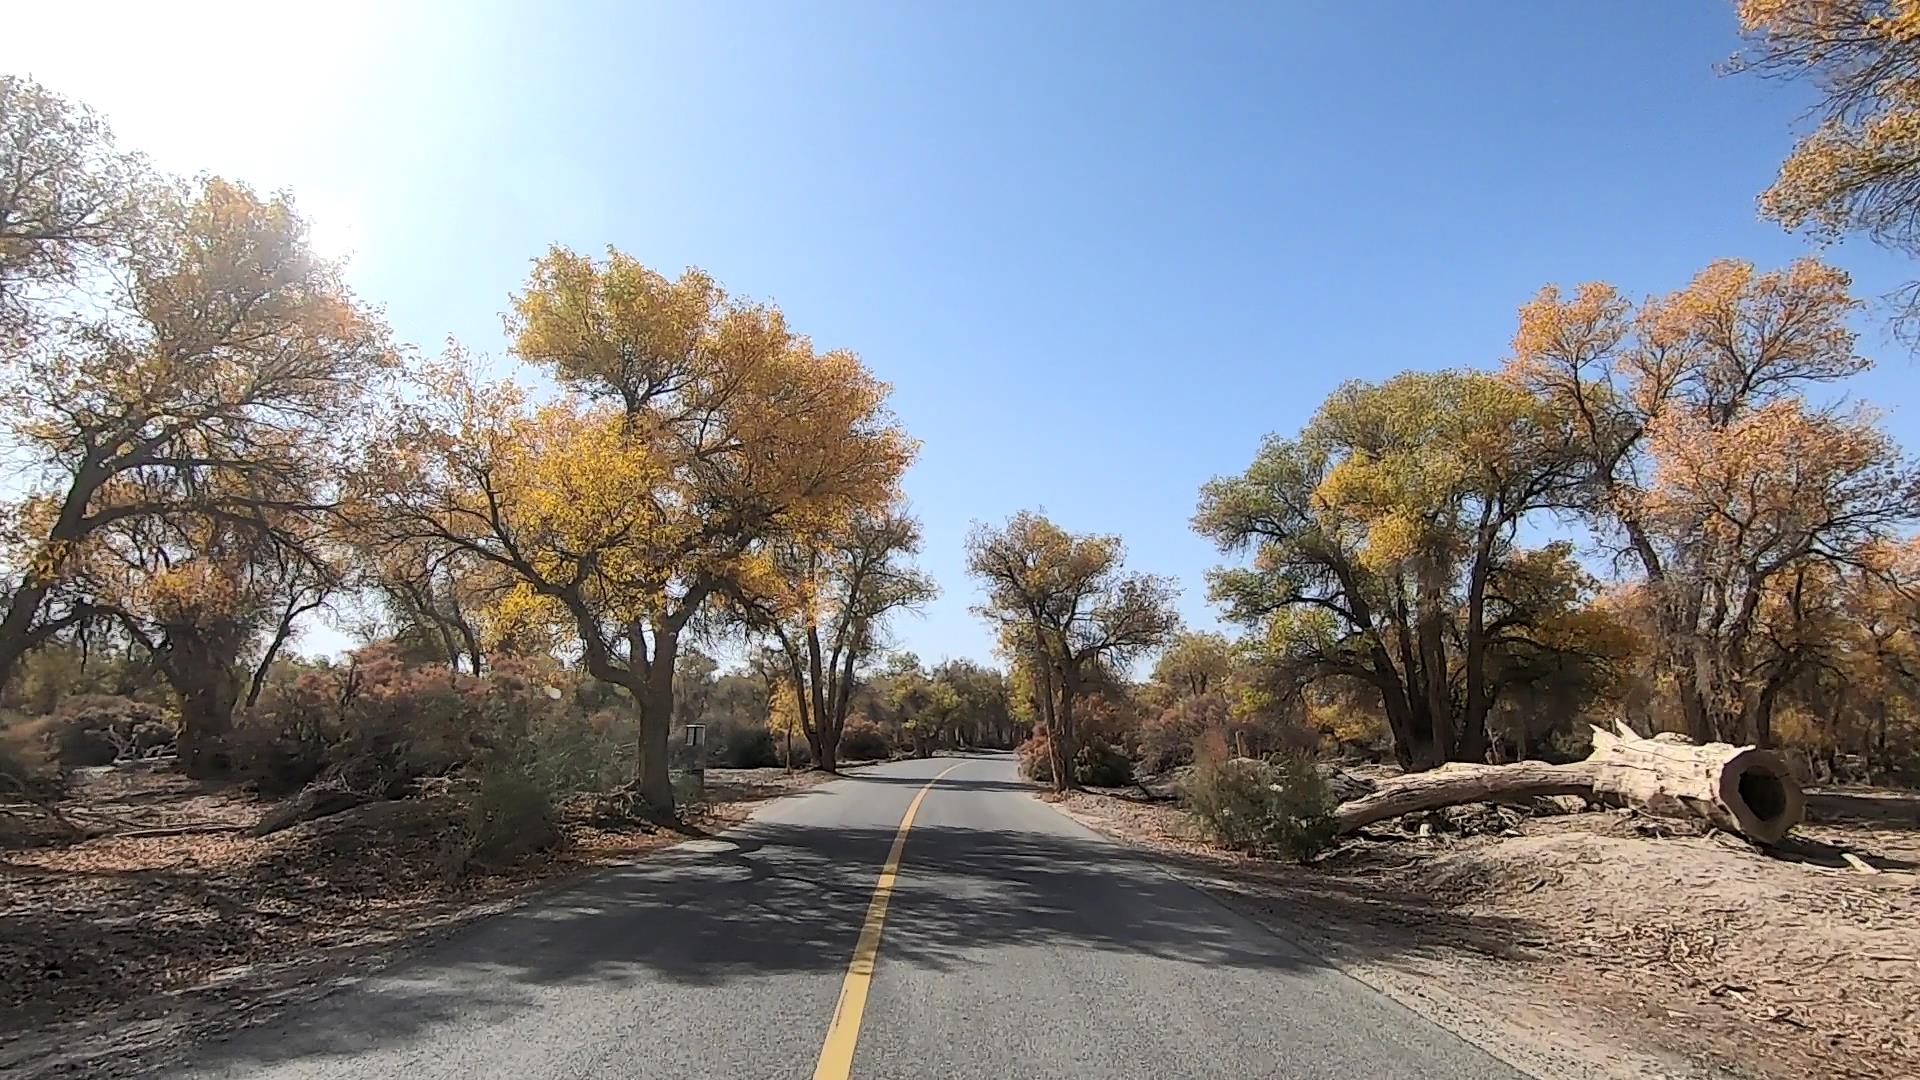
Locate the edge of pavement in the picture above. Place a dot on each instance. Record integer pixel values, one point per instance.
(1558, 1054)
(156, 1031)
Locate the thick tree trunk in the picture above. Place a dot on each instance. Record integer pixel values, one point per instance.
(206, 718)
(202, 674)
(652, 776)
(314, 801)
(655, 697)
(1066, 741)
(1740, 789)
(826, 755)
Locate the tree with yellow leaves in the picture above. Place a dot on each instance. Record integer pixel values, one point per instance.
(1067, 605)
(822, 606)
(69, 201)
(1703, 464)
(696, 433)
(1859, 170)
(216, 375)
(212, 599)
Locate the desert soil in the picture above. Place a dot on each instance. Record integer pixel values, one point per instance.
(174, 923)
(1601, 944)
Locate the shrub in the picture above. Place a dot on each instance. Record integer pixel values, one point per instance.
(582, 753)
(375, 724)
(733, 745)
(98, 729)
(27, 767)
(397, 723)
(1096, 762)
(1166, 740)
(1100, 764)
(508, 815)
(862, 740)
(1035, 756)
(282, 744)
(1278, 807)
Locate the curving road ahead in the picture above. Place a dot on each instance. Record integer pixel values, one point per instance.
(1016, 943)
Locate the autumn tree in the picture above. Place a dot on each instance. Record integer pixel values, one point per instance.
(1194, 664)
(694, 684)
(1706, 469)
(1384, 542)
(213, 599)
(68, 201)
(1859, 169)
(1067, 602)
(822, 607)
(214, 374)
(695, 431)
(435, 598)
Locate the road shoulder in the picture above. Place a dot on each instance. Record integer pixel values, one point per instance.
(1433, 969)
(134, 1033)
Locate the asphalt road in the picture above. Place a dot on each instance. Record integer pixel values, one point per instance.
(1016, 943)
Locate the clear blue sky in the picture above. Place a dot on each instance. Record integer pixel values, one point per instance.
(1098, 249)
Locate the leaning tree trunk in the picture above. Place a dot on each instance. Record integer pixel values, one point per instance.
(1737, 788)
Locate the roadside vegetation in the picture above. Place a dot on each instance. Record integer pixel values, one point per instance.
(1659, 515)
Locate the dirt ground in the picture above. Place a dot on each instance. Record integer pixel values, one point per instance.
(1600, 944)
(175, 906)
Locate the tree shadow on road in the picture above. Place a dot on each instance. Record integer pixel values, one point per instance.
(780, 898)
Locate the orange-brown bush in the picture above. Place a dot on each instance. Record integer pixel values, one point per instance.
(378, 722)
(1166, 739)
(97, 729)
(863, 740)
(1096, 762)
(26, 763)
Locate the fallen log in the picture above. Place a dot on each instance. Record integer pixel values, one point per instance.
(314, 801)
(1457, 782)
(1740, 789)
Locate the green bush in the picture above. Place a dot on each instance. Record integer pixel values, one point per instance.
(574, 753)
(508, 816)
(1278, 807)
(740, 746)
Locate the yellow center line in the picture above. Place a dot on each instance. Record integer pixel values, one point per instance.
(843, 1033)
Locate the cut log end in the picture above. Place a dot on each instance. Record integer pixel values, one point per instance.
(1762, 795)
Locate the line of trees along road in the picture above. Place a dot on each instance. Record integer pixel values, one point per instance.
(1655, 507)
(214, 436)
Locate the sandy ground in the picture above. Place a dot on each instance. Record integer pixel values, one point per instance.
(149, 932)
(1599, 944)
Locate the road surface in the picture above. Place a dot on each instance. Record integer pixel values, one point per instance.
(1014, 943)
